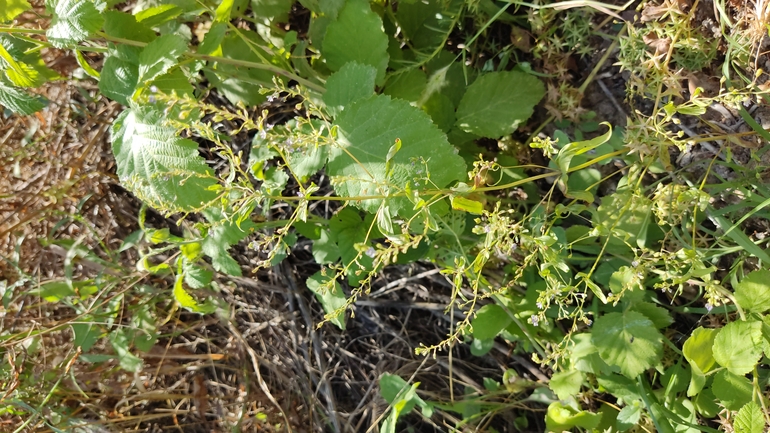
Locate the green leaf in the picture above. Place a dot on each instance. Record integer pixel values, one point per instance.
(628, 340)
(753, 292)
(159, 56)
(347, 230)
(86, 335)
(325, 249)
(186, 300)
(367, 130)
(628, 417)
(143, 324)
(564, 158)
(408, 85)
(275, 10)
(697, 351)
(731, 390)
(157, 15)
(425, 24)
(10, 9)
(738, 346)
(660, 317)
(19, 102)
(467, 205)
(441, 110)
(20, 73)
(497, 103)
(120, 340)
(157, 165)
(566, 383)
(73, 21)
(123, 25)
(481, 347)
(195, 276)
(489, 321)
(329, 293)
(749, 419)
(120, 73)
(352, 82)
(224, 233)
(356, 35)
(561, 417)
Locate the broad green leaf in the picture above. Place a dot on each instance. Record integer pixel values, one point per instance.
(325, 249)
(753, 292)
(275, 10)
(120, 73)
(352, 82)
(308, 161)
(749, 419)
(738, 346)
(467, 205)
(566, 383)
(157, 165)
(627, 217)
(731, 390)
(425, 24)
(212, 42)
(706, 403)
(174, 82)
(10, 9)
(195, 276)
(356, 35)
(561, 417)
(496, 104)
(481, 347)
(121, 341)
(86, 335)
(329, 293)
(628, 417)
(347, 230)
(19, 73)
(697, 351)
(620, 387)
(20, 102)
(124, 25)
(367, 130)
(441, 110)
(408, 85)
(73, 21)
(159, 56)
(660, 317)
(489, 321)
(222, 235)
(628, 340)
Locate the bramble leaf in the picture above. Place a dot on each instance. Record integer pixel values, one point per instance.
(738, 346)
(223, 234)
(10, 9)
(753, 292)
(367, 130)
(356, 35)
(157, 165)
(352, 82)
(498, 102)
(749, 419)
(73, 21)
(159, 56)
(120, 73)
(628, 340)
(18, 101)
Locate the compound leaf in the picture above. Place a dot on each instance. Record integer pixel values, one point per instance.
(749, 419)
(367, 131)
(356, 35)
(157, 165)
(628, 340)
(498, 102)
(73, 21)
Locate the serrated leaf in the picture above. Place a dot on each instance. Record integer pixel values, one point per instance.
(352, 82)
(120, 341)
(732, 390)
(738, 346)
(19, 102)
(749, 419)
(496, 104)
(753, 292)
(120, 73)
(407, 85)
(123, 25)
(73, 21)
(566, 383)
(10, 9)
(489, 321)
(222, 235)
(628, 417)
(367, 130)
(660, 317)
(186, 300)
(628, 340)
(19, 73)
(157, 165)
(157, 15)
(330, 295)
(196, 277)
(86, 335)
(347, 229)
(212, 42)
(159, 56)
(356, 35)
